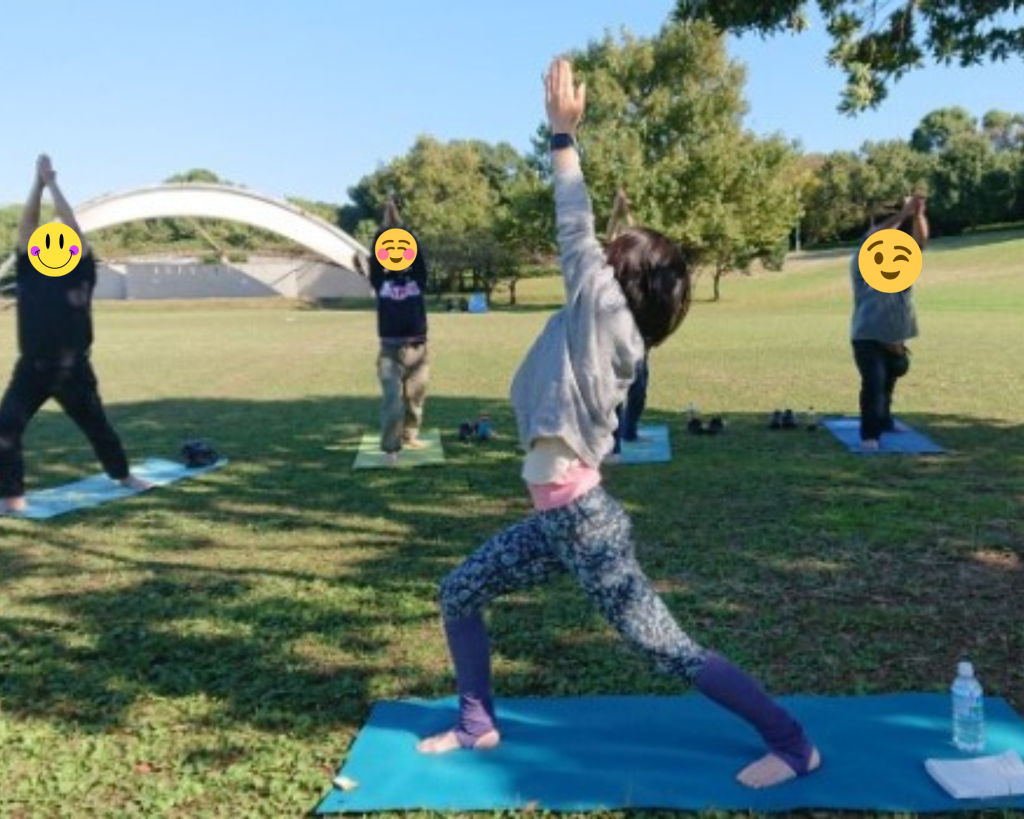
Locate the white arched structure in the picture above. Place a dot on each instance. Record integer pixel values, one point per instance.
(220, 202)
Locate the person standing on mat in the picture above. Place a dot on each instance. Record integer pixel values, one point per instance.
(54, 337)
(620, 302)
(628, 413)
(881, 326)
(402, 365)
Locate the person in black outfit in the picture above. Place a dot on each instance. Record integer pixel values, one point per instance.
(403, 366)
(54, 337)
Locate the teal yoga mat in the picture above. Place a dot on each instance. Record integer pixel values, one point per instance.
(98, 489)
(593, 753)
(905, 441)
(651, 447)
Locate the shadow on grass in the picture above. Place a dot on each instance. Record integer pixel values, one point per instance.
(293, 591)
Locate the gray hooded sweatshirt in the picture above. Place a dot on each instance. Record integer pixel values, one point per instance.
(580, 367)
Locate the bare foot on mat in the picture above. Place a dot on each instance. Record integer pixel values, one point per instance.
(447, 742)
(138, 484)
(14, 505)
(770, 770)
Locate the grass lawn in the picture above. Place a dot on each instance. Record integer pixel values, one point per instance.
(212, 648)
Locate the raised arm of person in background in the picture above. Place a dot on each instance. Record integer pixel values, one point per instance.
(60, 204)
(392, 218)
(620, 215)
(30, 215)
(418, 271)
(920, 221)
(893, 222)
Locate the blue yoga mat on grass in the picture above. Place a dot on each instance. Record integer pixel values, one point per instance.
(594, 753)
(98, 489)
(651, 447)
(905, 440)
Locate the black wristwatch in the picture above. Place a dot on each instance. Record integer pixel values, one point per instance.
(560, 141)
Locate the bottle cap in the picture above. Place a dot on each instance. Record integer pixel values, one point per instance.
(965, 669)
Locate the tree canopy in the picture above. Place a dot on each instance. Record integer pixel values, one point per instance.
(877, 42)
(972, 170)
(664, 121)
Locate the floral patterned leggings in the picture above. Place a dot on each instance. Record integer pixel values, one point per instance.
(591, 538)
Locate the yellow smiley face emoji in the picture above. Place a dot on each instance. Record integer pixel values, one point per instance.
(54, 249)
(890, 261)
(395, 249)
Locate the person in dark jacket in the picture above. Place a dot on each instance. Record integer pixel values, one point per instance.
(54, 338)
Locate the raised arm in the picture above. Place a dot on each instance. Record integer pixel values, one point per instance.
(897, 219)
(60, 204)
(579, 250)
(921, 231)
(620, 215)
(418, 271)
(30, 215)
(391, 217)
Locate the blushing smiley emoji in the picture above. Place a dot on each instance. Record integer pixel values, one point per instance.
(395, 249)
(54, 249)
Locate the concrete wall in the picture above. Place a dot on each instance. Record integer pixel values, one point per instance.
(257, 278)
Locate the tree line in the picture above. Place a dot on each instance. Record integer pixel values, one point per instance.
(971, 169)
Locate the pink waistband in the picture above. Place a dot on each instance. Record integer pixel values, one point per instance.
(577, 483)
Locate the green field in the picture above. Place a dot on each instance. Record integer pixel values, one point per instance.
(211, 649)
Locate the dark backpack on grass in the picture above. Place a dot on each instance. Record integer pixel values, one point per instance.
(198, 453)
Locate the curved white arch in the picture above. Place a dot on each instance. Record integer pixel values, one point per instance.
(219, 202)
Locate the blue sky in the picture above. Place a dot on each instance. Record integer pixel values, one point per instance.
(303, 98)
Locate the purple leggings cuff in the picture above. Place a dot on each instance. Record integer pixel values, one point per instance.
(734, 689)
(476, 718)
(468, 644)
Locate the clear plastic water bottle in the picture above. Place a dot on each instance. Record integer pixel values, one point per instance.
(968, 710)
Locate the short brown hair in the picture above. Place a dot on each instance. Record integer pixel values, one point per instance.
(654, 274)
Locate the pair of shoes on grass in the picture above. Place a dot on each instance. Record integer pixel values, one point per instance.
(783, 420)
(714, 426)
(787, 420)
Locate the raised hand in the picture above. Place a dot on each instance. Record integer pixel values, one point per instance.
(392, 218)
(621, 202)
(44, 169)
(563, 99)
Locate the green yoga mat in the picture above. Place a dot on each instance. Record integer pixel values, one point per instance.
(370, 456)
(594, 753)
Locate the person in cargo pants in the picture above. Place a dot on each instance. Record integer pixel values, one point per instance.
(402, 365)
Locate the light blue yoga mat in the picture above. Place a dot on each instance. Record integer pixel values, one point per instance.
(98, 489)
(904, 441)
(651, 447)
(682, 752)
